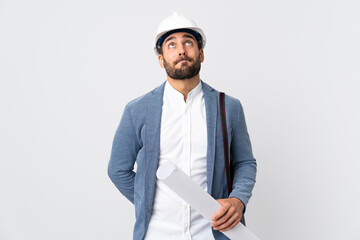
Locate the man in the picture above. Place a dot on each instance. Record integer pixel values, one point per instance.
(179, 121)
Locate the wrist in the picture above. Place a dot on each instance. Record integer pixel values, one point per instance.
(238, 201)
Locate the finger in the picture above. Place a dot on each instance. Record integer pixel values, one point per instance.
(220, 217)
(218, 224)
(233, 219)
(231, 226)
(222, 211)
(220, 221)
(226, 220)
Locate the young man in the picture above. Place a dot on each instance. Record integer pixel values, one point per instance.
(179, 121)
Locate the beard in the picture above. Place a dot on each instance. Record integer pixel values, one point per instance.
(187, 70)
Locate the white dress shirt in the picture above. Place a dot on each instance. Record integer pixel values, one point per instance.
(183, 140)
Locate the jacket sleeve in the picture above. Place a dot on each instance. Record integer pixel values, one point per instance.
(123, 155)
(243, 164)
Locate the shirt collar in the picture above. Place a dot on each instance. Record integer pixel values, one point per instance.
(195, 91)
(170, 90)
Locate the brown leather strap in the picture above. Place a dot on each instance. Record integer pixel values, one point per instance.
(225, 141)
(226, 147)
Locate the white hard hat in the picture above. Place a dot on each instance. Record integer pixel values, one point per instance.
(175, 22)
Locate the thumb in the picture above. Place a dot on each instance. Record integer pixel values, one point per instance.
(221, 201)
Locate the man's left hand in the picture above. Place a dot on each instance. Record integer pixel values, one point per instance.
(229, 215)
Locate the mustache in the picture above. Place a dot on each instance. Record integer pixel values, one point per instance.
(183, 58)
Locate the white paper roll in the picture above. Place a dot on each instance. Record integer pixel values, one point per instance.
(198, 199)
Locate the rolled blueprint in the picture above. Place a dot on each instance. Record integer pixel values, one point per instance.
(197, 198)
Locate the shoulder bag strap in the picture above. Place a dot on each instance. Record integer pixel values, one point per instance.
(225, 141)
(226, 147)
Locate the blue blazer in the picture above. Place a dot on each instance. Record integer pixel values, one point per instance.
(137, 139)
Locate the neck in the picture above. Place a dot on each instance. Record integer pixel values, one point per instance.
(184, 86)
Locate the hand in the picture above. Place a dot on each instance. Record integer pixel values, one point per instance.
(229, 215)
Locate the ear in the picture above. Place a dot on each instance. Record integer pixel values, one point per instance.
(201, 55)
(161, 60)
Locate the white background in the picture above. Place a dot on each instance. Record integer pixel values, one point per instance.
(67, 69)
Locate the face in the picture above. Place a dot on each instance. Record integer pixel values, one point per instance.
(181, 56)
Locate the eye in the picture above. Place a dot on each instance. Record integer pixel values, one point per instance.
(188, 43)
(171, 45)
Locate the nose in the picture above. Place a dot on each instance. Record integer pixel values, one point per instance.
(181, 50)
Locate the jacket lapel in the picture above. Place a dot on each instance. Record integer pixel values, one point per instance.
(211, 107)
(152, 146)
